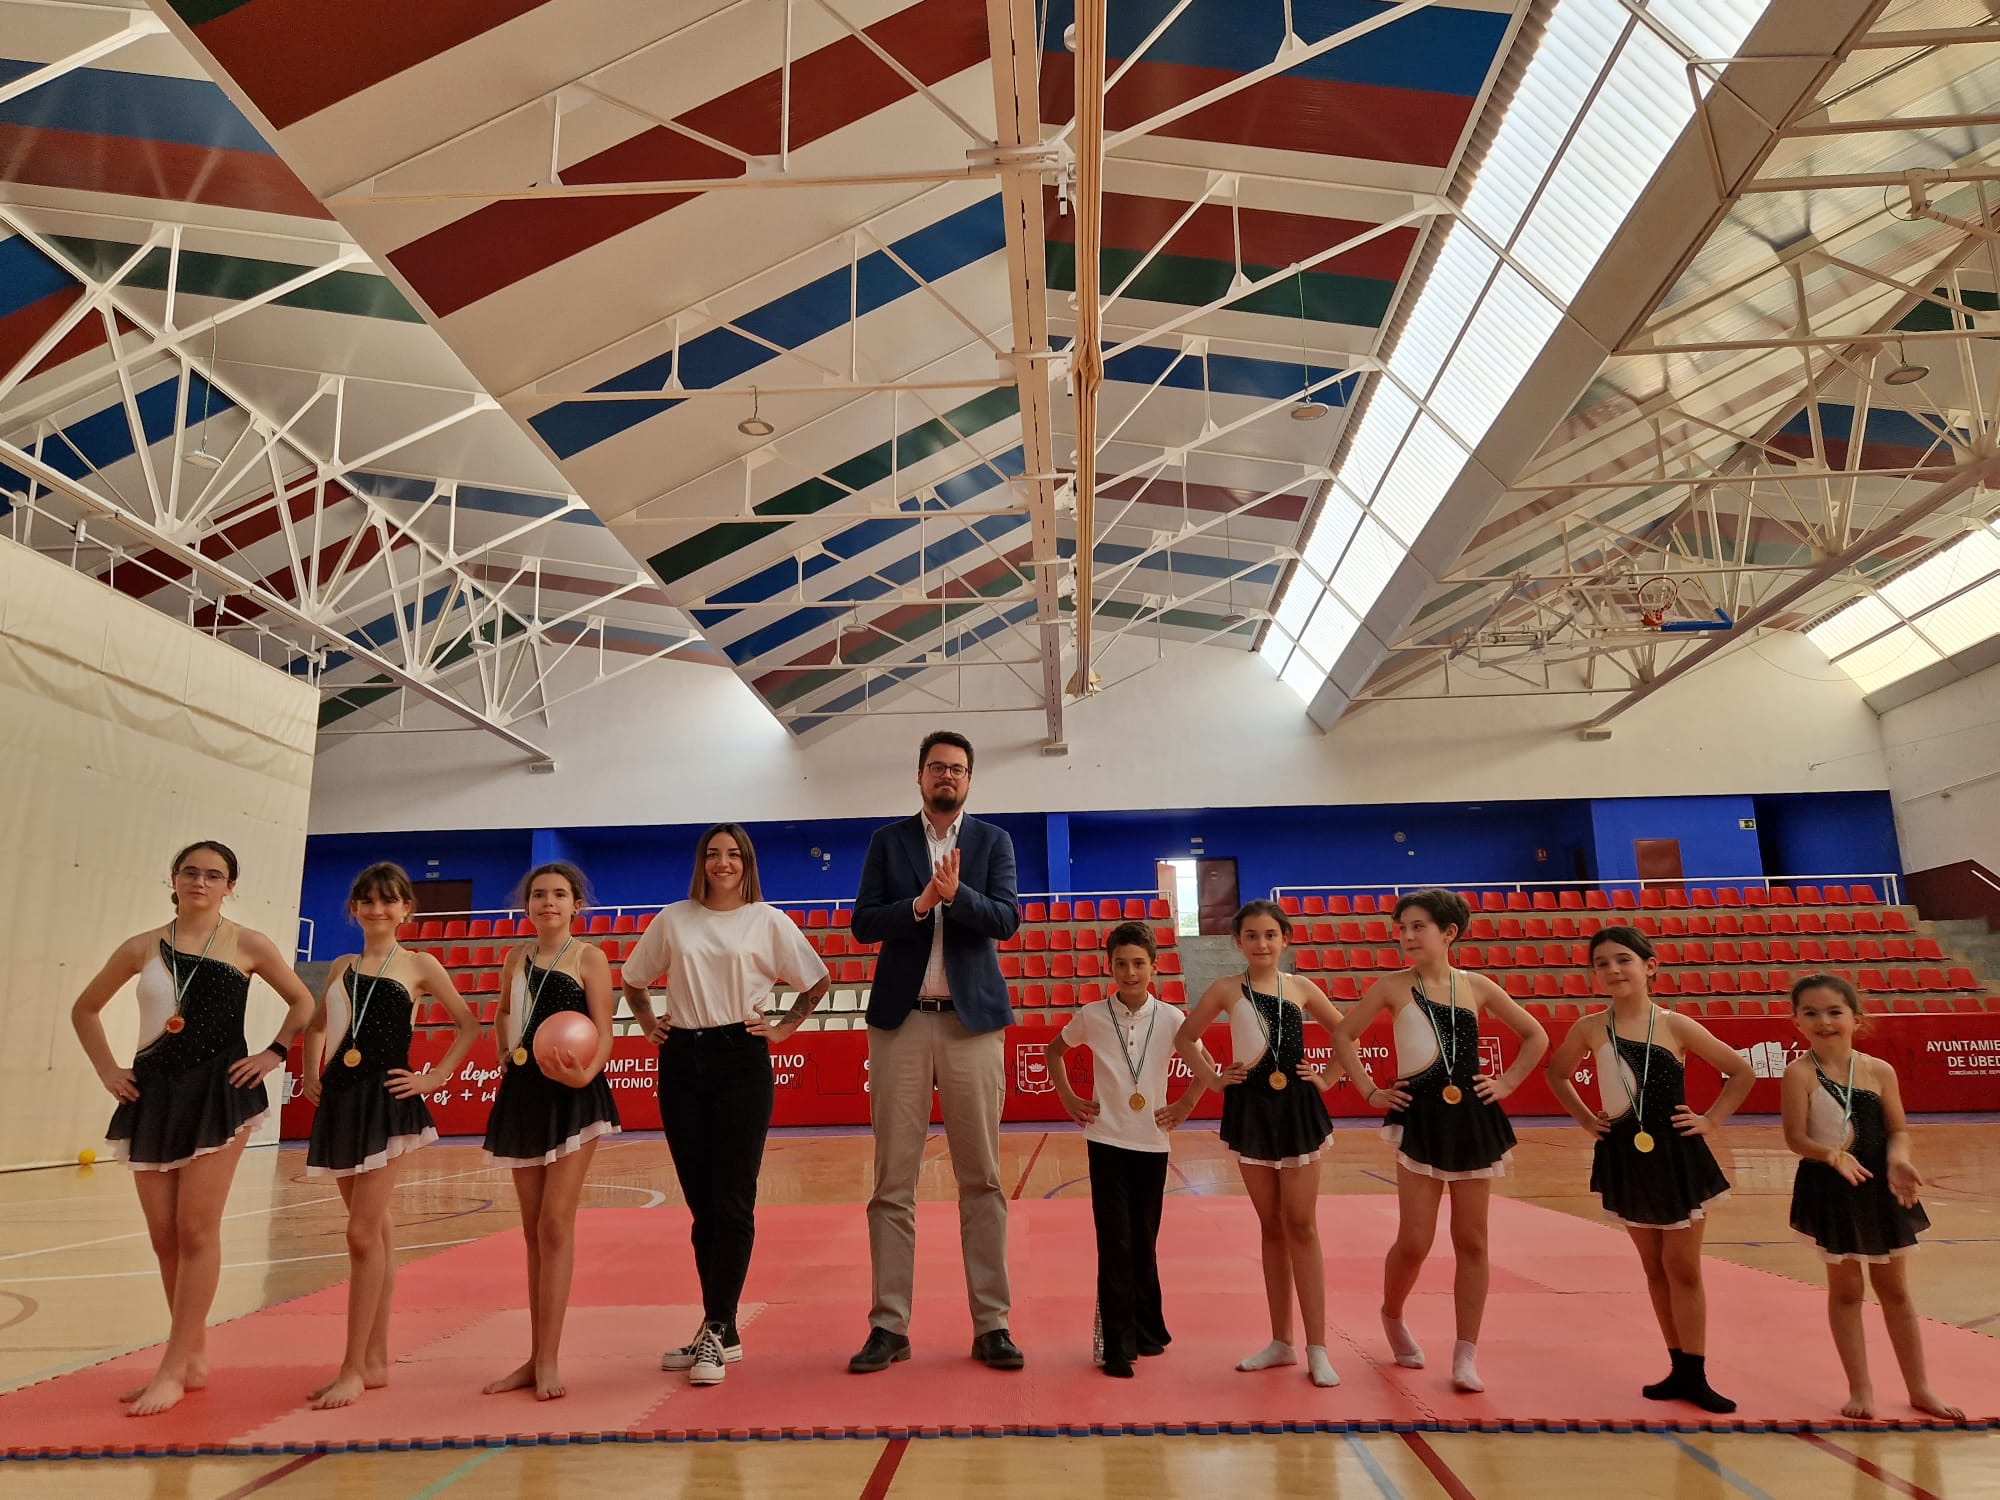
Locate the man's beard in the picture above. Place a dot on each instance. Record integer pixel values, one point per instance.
(943, 800)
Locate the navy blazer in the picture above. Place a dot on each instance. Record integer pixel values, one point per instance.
(986, 913)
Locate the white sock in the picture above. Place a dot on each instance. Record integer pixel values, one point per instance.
(1319, 1366)
(1402, 1343)
(1463, 1376)
(1273, 1354)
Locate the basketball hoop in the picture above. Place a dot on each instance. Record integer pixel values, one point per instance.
(1656, 597)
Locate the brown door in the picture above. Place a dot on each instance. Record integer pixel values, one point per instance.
(1658, 860)
(1168, 884)
(1215, 880)
(444, 895)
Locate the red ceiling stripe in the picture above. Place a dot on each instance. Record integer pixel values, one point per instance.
(1285, 113)
(494, 247)
(296, 57)
(1269, 239)
(20, 328)
(162, 170)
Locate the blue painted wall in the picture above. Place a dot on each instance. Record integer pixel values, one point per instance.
(1713, 842)
(1817, 833)
(1450, 843)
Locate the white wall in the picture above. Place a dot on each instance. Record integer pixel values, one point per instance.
(676, 743)
(123, 736)
(1943, 751)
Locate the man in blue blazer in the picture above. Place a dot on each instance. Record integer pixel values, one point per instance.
(937, 892)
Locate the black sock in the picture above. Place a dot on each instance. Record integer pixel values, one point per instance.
(1670, 1388)
(1695, 1387)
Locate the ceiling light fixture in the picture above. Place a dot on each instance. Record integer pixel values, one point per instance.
(754, 425)
(201, 458)
(1905, 373)
(1308, 409)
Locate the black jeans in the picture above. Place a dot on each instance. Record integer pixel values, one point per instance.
(715, 1106)
(1127, 1189)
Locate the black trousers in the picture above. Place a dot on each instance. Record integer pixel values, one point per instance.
(715, 1106)
(1127, 1189)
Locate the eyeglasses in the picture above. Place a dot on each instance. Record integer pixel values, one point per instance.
(201, 877)
(944, 772)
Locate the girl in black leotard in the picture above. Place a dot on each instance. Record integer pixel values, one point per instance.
(370, 1106)
(1855, 1196)
(194, 1090)
(543, 1128)
(1652, 1168)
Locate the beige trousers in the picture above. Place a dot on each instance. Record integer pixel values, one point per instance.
(970, 1074)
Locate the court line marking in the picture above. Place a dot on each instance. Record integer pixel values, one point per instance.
(1442, 1472)
(1372, 1467)
(241, 1265)
(1033, 1157)
(1868, 1466)
(263, 1481)
(438, 1487)
(1715, 1466)
(884, 1473)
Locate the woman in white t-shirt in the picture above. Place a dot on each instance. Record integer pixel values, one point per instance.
(723, 950)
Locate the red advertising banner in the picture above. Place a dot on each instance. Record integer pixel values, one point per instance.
(1945, 1063)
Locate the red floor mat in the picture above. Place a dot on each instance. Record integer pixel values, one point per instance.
(1569, 1340)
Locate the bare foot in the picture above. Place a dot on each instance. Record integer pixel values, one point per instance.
(1860, 1404)
(373, 1378)
(514, 1380)
(345, 1391)
(1927, 1401)
(196, 1379)
(548, 1385)
(162, 1394)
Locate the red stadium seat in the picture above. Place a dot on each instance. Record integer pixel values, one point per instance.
(1339, 906)
(1721, 982)
(1089, 994)
(1365, 906)
(1564, 927)
(1757, 923)
(489, 983)
(1333, 958)
(1158, 911)
(407, 933)
(622, 923)
(1518, 901)
(1577, 986)
(1378, 932)
(455, 928)
(1958, 979)
(1547, 987)
(1170, 963)
(1174, 992)
(1517, 985)
(1783, 895)
(1701, 896)
(434, 929)
(1728, 953)
(1694, 982)
(1062, 940)
(1667, 952)
(1036, 941)
(1537, 927)
(1165, 937)
(1511, 929)
(1324, 932)
(1834, 895)
(1875, 982)
(1388, 958)
(1839, 921)
(1664, 983)
(1867, 921)
(1034, 997)
(1034, 911)
(1539, 1011)
(1062, 966)
(1498, 957)
(1315, 906)
(1928, 948)
(1718, 1008)
(1756, 895)
(1652, 898)
(1289, 905)
(1863, 895)
(1035, 966)
(1968, 1005)
(1676, 899)
(485, 958)
(1596, 901)
(1569, 900)
(1728, 895)
(1361, 958)
(466, 983)
(1341, 987)
(1545, 901)
(1868, 951)
(1526, 957)
(1059, 911)
(1010, 966)
(1555, 955)
(1812, 922)
(843, 916)
(457, 958)
(1306, 961)
(1086, 911)
(1135, 909)
(1624, 900)
(1753, 982)
(1893, 920)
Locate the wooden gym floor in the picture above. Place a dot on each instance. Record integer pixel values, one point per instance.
(77, 1284)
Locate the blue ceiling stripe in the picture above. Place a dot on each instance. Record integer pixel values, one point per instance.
(852, 541)
(470, 496)
(1174, 560)
(1437, 50)
(817, 308)
(139, 106)
(991, 625)
(1228, 375)
(27, 276)
(104, 437)
(1885, 425)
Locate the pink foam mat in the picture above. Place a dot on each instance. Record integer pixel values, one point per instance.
(1568, 1341)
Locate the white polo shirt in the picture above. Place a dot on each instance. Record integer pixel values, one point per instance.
(1122, 1040)
(721, 966)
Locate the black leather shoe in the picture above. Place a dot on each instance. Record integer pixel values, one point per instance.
(997, 1352)
(882, 1350)
(1150, 1347)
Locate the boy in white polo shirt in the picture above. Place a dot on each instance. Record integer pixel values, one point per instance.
(1131, 1041)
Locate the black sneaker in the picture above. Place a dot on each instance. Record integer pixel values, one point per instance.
(882, 1350)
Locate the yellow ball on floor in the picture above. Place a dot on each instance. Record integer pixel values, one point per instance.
(86, 1156)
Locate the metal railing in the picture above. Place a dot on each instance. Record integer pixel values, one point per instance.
(1886, 883)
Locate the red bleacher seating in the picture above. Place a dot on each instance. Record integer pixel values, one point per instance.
(1034, 911)
(455, 928)
(1545, 901)
(1306, 961)
(1059, 911)
(1085, 911)
(1339, 906)
(1036, 941)
(1516, 985)
(1290, 906)
(1834, 895)
(489, 983)
(1062, 940)
(1367, 906)
(1959, 979)
(1315, 906)
(1174, 992)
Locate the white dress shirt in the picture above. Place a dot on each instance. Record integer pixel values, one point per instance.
(937, 986)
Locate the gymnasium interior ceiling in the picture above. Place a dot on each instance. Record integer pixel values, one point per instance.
(1434, 347)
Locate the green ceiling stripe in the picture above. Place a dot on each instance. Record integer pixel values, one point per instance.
(236, 278)
(1927, 317)
(714, 543)
(201, 12)
(1186, 281)
(884, 641)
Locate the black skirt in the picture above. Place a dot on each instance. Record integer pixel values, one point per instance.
(360, 1125)
(536, 1120)
(180, 1115)
(1860, 1221)
(1455, 1142)
(1277, 1127)
(187, 1107)
(1668, 1187)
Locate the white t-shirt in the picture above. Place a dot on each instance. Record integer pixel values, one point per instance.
(721, 966)
(1113, 1032)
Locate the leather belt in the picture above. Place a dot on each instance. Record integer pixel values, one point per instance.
(934, 1006)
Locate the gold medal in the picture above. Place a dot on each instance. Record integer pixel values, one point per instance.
(176, 1023)
(1642, 1142)
(1137, 1101)
(1279, 1080)
(520, 1057)
(352, 1057)
(1453, 1093)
